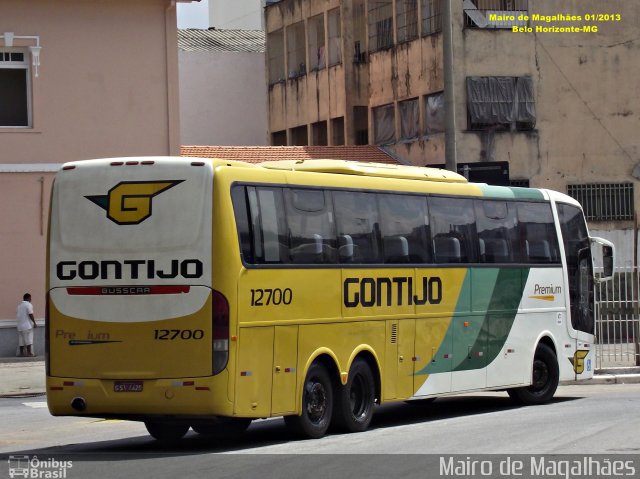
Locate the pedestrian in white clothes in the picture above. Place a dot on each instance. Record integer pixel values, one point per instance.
(25, 322)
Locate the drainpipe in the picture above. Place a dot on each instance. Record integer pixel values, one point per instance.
(449, 85)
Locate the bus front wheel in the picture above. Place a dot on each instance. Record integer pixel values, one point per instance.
(355, 400)
(166, 432)
(544, 381)
(317, 404)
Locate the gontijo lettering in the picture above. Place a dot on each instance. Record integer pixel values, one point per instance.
(391, 291)
(129, 269)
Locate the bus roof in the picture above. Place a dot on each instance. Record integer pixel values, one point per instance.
(360, 168)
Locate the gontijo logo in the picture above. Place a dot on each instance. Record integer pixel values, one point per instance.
(129, 202)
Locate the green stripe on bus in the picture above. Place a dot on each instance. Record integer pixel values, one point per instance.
(504, 192)
(475, 340)
(497, 322)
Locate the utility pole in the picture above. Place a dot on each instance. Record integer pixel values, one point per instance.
(451, 160)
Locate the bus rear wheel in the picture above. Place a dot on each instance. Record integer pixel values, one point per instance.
(356, 399)
(544, 381)
(165, 431)
(317, 405)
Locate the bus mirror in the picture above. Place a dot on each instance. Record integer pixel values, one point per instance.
(608, 257)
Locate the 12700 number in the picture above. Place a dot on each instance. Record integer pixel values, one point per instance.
(173, 334)
(271, 296)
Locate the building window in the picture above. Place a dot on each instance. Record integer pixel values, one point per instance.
(275, 52)
(15, 85)
(279, 138)
(319, 133)
(409, 119)
(384, 124)
(407, 20)
(500, 103)
(380, 15)
(296, 65)
(361, 125)
(358, 18)
(337, 131)
(317, 47)
(335, 46)
(495, 13)
(431, 16)
(299, 136)
(434, 113)
(605, 201)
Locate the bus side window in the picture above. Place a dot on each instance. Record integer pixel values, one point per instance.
(404, 225)
(241, 212)
(539, 241)
(267, 224)
(312, 237)
(357, 217)
(497, 225)
(453, 226)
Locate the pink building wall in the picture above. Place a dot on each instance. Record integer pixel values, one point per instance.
(107, 86)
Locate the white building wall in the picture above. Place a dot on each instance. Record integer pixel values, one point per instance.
(223, 98)
(236, 14)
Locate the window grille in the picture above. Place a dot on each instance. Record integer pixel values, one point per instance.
(380, 24)
(495, 14)
(604, 201)
(431, 17)
(359, 32)
(407, 20)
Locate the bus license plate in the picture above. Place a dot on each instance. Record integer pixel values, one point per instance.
(127, 386)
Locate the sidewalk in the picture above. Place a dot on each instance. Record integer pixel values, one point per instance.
(26, 376)
(22, 376)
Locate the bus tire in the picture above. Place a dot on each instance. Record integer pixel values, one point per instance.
(355, 400)
(222, 426)
(166, 432)
(545, 379)
(317, 405)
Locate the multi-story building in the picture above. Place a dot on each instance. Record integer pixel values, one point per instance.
(549, 87)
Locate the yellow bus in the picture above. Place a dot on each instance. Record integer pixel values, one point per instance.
(206, 293)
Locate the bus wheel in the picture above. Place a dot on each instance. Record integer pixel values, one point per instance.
(222, 426)
(166, 432)
(317, 405)
(545, 379)
(355, 400)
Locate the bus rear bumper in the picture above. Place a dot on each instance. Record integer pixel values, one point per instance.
(137, 398)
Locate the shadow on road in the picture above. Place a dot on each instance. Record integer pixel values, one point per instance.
(270, 432)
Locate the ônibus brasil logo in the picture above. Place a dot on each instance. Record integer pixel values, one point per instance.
(129, 202)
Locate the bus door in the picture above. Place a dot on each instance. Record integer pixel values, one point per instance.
(579, 271)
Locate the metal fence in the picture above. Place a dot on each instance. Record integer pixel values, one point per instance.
(617, 313)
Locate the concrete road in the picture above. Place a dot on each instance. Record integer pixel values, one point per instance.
(582, 420)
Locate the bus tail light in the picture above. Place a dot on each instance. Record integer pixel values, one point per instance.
(220, 318)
